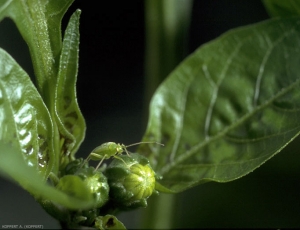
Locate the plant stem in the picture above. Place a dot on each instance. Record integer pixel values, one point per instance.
(167, 26)
(159, 213)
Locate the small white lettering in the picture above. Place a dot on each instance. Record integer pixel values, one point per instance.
(19, 226)
(10, 226)
(34, 226)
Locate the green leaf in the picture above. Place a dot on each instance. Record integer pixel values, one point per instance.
(39, 22)
(24, 118)
(55, 64)
(55, 11)
(69, 118)
(13, 166)
(279, 8)
(228, 108)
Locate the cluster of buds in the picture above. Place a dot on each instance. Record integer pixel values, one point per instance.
(126, 183)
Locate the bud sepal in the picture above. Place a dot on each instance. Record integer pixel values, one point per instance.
(131, 183)
(96, 183)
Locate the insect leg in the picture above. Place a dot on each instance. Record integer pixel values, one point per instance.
(100, 162)
(125, 149)
(120, 159)
(85, 161)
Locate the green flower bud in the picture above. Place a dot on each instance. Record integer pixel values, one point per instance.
(141, 181)
(96, 183)
(74, 186)
(86, 184)
(131, 184)
(108, 222)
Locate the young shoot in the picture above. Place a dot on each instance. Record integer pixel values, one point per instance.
(111, 149)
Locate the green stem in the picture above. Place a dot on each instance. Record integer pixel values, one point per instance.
(159, 213)
(167, 26)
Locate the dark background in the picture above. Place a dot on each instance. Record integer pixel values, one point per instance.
(110, 94)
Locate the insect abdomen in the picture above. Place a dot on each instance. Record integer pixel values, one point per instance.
(105, 150)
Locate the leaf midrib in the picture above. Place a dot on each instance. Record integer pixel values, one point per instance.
(223, 133)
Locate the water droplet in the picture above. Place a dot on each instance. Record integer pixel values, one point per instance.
(43, 158)
(1, 97)
(29, 150)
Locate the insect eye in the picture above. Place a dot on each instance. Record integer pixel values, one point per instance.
(119, 149)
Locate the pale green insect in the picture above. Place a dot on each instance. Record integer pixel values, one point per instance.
(111, 149)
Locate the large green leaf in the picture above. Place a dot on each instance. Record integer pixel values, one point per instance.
(229, 107)
(24, 119)
(39, 22)
(69, 118)
(279, 8)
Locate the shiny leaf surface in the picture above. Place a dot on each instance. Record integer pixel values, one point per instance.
(55, 64)
(229, 107)
(24, 118)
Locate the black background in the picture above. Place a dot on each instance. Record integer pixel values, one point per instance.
(110, 94)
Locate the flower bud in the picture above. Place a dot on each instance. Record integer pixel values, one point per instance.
(74, 186)
(131, 184)
(96, 183)
(77, 176)
(108, 222)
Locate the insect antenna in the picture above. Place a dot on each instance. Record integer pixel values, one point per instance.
(146, 142)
